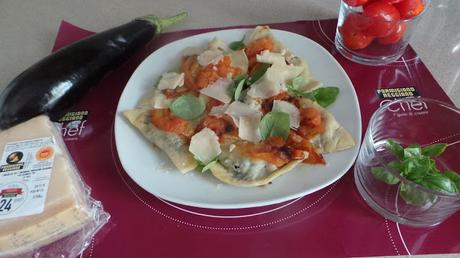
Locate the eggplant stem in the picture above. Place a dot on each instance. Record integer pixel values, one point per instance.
(161, 24)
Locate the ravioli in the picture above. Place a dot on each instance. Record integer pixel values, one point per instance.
(235, 169)
(336, 137)
(204, 72)
(170, 143)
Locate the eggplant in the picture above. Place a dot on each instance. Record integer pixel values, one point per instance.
(57, 82)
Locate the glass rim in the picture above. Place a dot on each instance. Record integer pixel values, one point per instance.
(352, 9)
(371, 126)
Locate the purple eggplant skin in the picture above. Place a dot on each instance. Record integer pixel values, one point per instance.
(54, 84)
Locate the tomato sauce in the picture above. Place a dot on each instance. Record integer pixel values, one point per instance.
(223, 126)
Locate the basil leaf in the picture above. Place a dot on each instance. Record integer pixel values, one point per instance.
(236, 81)
(204, 167)
(324, 96)
(296, 82)
(238, 90)
(396, 149)
(200, 165)
(439, 182)
(274, 123)
(187, 107)
(258, 74)
(209, 165)
(415, 169)
(414, 196)
(237, 45)
(432, 167)
(398, 166)
(414, 151)
(454, 177)
(416, 164)
(434, 150)
(381, 174)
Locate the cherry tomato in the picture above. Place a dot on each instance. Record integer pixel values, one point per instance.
(355, 2)
(395, 36)
(384, 19)
(355, 21)
(353, 31)
(410, 8)
(387, 1)
(355, 39)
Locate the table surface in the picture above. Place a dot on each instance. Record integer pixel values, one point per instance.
(28, 29)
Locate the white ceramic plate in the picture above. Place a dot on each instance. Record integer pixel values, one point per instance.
(151, 169)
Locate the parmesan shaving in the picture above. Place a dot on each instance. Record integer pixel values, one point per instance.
(205, 145)
(219, 90)
(171, 81)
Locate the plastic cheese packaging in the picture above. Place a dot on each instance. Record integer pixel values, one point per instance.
(45, 208)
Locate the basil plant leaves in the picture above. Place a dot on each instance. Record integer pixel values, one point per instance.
(416, 164)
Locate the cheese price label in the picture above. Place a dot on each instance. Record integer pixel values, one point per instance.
(25, 172)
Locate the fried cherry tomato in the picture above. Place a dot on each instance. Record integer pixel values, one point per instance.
(410, 8)
(384, 18)
(353, 32)
(355, 2)
(395, 36)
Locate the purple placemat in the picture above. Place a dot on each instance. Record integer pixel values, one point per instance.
(332, 222)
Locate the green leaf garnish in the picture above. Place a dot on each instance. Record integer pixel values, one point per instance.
(324, 96)
(434, 150)
(234, 86)
(187, 107)
(274, 123)
(385, 176)
(204, 167)
(296, 82)
(258, 74)
(238, 90)
(237, 45)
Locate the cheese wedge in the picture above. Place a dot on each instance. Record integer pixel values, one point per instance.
(65, 209)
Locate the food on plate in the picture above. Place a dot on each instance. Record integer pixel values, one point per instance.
(58, 81)
(249, 111)
(382, 21)
(416, 164)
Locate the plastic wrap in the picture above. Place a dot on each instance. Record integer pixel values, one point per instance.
(45, 207)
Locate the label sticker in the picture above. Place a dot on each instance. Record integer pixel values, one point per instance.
(25, 172)
(397, 93)
(73, 124)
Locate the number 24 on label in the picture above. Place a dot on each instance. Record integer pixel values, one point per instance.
(5, 204)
